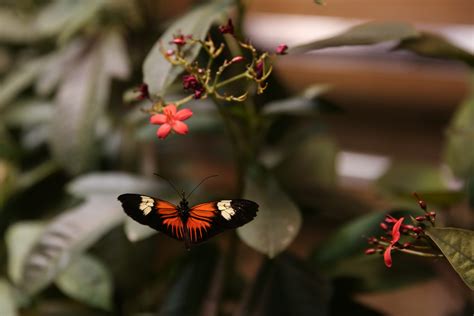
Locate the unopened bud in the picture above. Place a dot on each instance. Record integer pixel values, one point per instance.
(406, 245)
(237, 59)
(383, 226)
(420, 218)
(432, 214)
(370, 251)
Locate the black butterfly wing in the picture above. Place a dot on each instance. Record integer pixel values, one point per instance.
(158, 214)
(209, 219)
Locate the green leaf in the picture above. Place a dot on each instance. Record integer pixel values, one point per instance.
(458, 151)
(65, 238)
(305, 104)
(87, 280)
(285, 286)
(436, 46)
(7, 301)
(80, 102)
(278, 220)
(158, 73)
(457, 245)
(188, 290)
(20, 238)
(114, 184)
(136, 231)
(76, 229)
(316, 155)
(363, 34)
(20, 78)
(405, 178)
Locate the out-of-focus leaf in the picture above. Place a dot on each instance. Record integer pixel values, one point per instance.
(80, 101)
(320, 2)
(20, 238)
(8, 176)
(278, 220)
(66, 237)
(158, 73)
(57, 66)
(351, 239)
(406, 178)
(363, 34)
(458, 150)
(7, 301)
(316, 155)
(114, 184)
(457, 245)
(15, 29)
(285, 286)
(28, 113)
(19, 78)
(188, 290)
(136, 231)
(87, 280)
(305, 104)
(85, 12)
(441, 198)
(115, 56)
(436, 46)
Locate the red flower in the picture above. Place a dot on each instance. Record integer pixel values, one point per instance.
(228, 28)
(171, 120)
(178, 40)
(387, 256)
(281, 49)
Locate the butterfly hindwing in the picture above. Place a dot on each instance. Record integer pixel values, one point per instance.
(208, 219)
(158, 214)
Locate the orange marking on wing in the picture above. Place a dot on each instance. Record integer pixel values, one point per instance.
(206, 210)
(176, 226)
(194, 225)
(164, 205)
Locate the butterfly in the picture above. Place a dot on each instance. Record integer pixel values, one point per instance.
(192, 224)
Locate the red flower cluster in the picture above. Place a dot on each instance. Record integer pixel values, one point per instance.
(190, 82)
(396, 229)
(171, 119)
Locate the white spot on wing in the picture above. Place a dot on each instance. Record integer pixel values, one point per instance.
(146, 205)
(226, 210)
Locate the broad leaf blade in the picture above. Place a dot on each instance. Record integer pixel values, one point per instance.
(7, 301)
(158, 73)
(278, 220)
(457, 245)
(87, 280)
(285, 286)
(435, 46)
(67, 236)
(20, 238)
(458, 151)
(136, 231)
(363, 34)
(186, 295)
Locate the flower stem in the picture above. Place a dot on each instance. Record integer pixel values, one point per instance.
(232, 79)
(422, 254)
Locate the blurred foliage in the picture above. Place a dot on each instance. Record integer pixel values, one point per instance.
(70, 143)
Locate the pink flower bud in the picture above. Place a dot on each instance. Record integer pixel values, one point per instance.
(370, 251)
(228, 28)
(237, 59)
(383, 226)
(420, 218)
(432, 214)
(179, 40)
(281, 49)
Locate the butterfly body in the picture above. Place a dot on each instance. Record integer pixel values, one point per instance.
(192, 225)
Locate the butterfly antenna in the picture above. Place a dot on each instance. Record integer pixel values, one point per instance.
(181, 194)
(202, 181)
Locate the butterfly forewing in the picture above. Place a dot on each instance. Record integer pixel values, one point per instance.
(208, 219)
(158, 214)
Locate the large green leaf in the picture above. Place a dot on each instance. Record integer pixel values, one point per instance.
(457, 245)
(80, 102)
(436, 46)
(70, 233)
(285, 286)
(188, 290)
(158, 73)
(20, 239)
(363, 34)
(278, 220)
(19, 79)
(7, 301)
(87, 280)
(458, 151)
